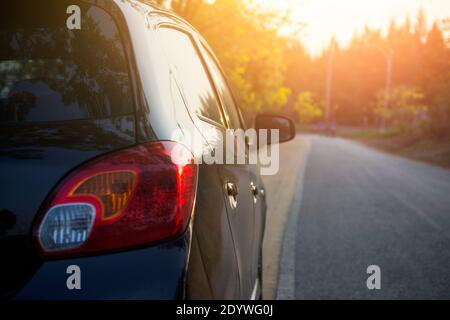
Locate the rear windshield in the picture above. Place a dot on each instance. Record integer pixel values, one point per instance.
(49, 72)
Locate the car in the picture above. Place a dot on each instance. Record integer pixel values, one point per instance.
(96, 97)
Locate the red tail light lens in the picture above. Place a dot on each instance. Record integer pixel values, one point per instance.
(131, 198)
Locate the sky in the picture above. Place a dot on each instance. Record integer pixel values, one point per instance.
(342, 18)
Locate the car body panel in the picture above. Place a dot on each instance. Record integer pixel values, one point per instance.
(155, 272)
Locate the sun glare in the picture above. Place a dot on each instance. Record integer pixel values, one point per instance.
(324, 19)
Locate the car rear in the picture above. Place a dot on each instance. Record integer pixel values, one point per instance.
(77, 189)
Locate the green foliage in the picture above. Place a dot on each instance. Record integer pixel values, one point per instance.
(405, 106)
(307, 108)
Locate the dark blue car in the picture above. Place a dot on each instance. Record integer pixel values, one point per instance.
(92, 203)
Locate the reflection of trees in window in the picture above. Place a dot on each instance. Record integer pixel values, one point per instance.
(209, 102)
(86, 70)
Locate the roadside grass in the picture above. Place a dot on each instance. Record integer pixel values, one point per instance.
(374, 134)
(413, 145)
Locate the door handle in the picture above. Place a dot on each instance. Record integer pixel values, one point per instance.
(254, 189)
(232, 192)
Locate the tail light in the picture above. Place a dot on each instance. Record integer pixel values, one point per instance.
(130, 198)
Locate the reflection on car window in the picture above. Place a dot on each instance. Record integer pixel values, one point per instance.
(50, 73)
(190, 71)
(224, 92)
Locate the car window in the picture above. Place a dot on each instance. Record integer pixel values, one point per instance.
(51, 73)
(194, 80)
(224, 91)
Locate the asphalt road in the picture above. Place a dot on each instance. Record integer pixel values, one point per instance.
(362, 207)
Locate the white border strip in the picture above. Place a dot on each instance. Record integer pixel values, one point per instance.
(255, 290)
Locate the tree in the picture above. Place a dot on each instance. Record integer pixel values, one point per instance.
(420, 28)
(436, 81)
(307, 108)
(406, 109)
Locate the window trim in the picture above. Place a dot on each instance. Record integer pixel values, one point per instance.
(195, 44)
(134, 76)
(209, 52)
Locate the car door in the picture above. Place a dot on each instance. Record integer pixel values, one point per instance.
(213, 250)
(240, 187)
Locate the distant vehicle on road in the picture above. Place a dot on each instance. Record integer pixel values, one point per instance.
(327, 128)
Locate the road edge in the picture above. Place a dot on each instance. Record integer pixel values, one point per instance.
(286, 272)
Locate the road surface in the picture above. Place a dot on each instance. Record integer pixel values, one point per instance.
(362, 207)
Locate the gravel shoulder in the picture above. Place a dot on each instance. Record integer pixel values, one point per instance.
(280, 190)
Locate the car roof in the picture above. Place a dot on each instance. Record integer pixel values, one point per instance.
(146, 8)
(153, 9)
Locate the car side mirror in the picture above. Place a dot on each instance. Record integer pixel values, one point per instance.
(285, 126)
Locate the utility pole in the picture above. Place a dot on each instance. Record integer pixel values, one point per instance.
(387, 94)
(329, 83)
